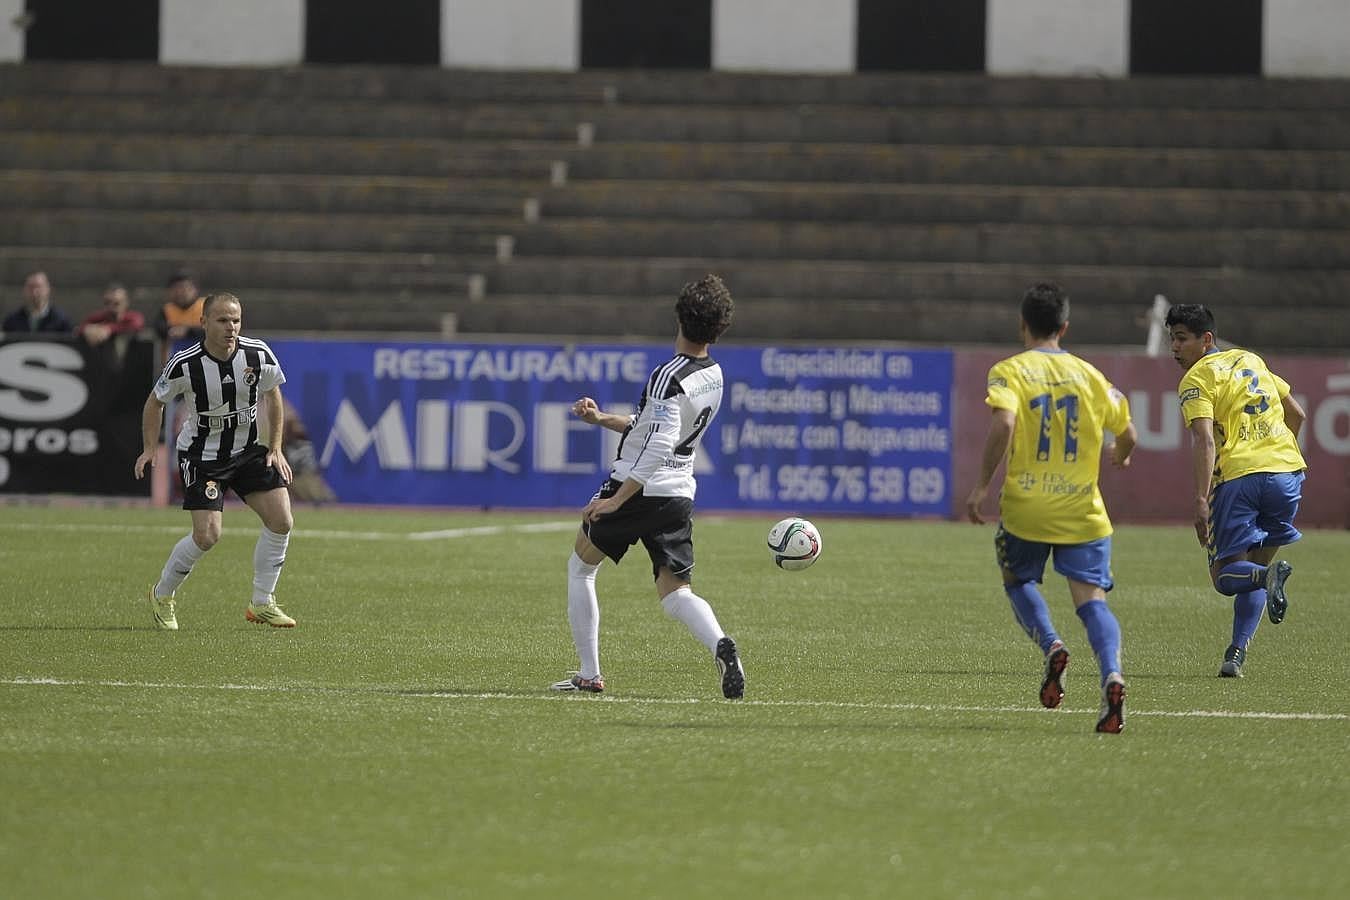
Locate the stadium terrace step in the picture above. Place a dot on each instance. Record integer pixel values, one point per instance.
(1176, 128)
(923, 203)
(236, 116)
(822, 281)
(433, 84)
(201, 191)
(690, 201)
(884, 163)
(298, 85)
(1001, 243)
(74, 270)
(219, 230)
(311, 156)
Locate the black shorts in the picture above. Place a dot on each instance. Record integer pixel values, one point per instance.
(205, 483)
(665, 525)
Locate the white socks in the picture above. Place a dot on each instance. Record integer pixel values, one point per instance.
(583, 613)
(184, 556)
(268, 557)
(691, 609)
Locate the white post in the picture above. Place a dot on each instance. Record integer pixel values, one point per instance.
(1157, 328)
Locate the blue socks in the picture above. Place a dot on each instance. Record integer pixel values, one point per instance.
(1247, 610)
(1031, 613)
(1103, 631)
(1240, 577)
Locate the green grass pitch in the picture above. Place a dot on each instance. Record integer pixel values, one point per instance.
(401, 741)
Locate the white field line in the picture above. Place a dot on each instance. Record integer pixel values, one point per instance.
(659, 701)
(442, 534)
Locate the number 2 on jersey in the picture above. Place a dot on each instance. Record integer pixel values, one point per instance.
(1048, 406)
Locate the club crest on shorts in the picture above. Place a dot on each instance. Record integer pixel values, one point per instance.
(212, 490)
(250, 376)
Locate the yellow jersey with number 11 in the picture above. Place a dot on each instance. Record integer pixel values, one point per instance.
(1063, 405)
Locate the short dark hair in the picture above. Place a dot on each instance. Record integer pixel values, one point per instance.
(1045, 309)
(704, 309)
(1194, 317)
(179, 275)
(211, 300)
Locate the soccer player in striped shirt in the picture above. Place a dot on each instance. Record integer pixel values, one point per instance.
(1247, 467)
(1050, 412)
(649, 496)
(222, 379)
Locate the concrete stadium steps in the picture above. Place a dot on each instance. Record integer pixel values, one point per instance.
(883, 163)
(301, 84)
(268, 309)
(944, 321)
(1176, 128)
(246, 154)
(227, 230)
(202, 191)
(432, 84)
(674, 200)
(383, 273)
(1002, 243)
(1226, 129)
(867, 207)
(821, 281)
(757, 318)
(235, 116)
(1036, 204)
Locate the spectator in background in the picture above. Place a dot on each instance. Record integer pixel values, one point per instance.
(181, 315)
(115, 318)
(307, 482)
(37, 313)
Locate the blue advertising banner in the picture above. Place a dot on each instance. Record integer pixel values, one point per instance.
(832, 430)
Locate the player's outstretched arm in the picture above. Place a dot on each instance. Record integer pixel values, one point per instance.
(587, 410)
(152, 417)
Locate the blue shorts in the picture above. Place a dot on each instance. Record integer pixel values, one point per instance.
(1256, 510)
(1089, 562)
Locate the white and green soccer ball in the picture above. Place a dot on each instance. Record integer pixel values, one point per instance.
(795, 544)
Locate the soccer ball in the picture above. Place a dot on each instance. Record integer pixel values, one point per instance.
(795, 544)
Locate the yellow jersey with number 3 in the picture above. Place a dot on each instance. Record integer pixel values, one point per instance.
(1063, 405)
(1243, 397)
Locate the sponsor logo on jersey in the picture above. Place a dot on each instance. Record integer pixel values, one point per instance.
(1190, 394)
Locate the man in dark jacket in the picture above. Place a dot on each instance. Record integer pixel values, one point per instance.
(37, 312)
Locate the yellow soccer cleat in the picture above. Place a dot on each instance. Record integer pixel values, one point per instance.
(162, 608)
(268, 614)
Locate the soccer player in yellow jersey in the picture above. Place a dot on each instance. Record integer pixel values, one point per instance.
(1248, 471)
(1050, 412)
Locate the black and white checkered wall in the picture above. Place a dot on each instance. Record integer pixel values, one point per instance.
(1300, 38)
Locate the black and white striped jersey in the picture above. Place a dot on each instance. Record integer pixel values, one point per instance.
(221, 397)
(659, 446)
